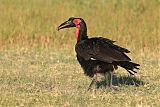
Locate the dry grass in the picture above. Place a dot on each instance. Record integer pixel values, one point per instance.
(45, 78)
(38, 65)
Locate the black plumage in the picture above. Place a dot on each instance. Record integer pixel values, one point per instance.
(98, 55)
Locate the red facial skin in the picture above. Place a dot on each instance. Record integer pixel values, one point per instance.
(77, 23)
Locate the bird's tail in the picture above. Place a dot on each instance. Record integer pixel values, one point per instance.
(129, 66)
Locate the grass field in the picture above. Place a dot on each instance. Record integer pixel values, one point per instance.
(38, 66)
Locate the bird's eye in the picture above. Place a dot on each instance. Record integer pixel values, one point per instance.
(76, 21)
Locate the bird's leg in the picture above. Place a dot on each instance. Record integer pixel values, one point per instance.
(94, 79)
(108, 77)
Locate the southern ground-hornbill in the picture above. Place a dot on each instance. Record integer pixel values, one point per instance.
(98, 55)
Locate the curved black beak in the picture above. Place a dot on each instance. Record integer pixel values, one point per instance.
(66, 24)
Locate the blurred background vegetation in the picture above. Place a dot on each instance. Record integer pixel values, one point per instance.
(33, 23)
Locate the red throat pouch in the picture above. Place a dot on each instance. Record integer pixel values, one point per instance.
(77, 31)
(77, 22)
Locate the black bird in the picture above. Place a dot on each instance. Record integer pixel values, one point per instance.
(98, 54)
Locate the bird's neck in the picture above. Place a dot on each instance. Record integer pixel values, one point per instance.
(81, 32)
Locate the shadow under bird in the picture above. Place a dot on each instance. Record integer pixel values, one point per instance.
(98, 54)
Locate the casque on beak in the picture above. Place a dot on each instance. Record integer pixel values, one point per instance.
(66, 24)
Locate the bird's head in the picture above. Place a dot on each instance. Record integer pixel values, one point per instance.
(71, 22)
(75, 22)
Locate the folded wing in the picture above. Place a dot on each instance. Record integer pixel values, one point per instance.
(101, 49)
